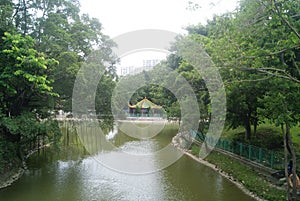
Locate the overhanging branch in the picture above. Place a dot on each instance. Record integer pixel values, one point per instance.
(285, 20)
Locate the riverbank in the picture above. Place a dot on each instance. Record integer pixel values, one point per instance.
(224, 174)
(251, 178)
(16, 173)
(10, 177)
(246, 178)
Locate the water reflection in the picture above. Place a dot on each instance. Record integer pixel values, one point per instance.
(71, 173)
(125, 156)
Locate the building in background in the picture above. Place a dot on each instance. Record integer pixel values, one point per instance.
(147, 65)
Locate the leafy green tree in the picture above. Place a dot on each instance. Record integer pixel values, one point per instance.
(6, 11)
(281, 109)
(244, 89)
(261, 37)
(61, 32)
(43, 44)
(24, 90)
(23, 74)
(24, 133)
(64, 76)
(276, 54)
(104, 93)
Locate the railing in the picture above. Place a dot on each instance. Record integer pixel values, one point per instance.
(145, 115)
(268, 158)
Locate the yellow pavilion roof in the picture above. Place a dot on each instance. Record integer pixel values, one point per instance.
(145, 103)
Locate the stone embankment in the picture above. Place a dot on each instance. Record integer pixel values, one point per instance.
(183, 141)
(16, 174)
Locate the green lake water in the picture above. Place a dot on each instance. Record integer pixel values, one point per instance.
(69, 171)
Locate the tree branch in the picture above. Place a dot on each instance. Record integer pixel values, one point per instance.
(269, 54)
(296, 65)
(285, 20)
(256, 80)
(269, 71)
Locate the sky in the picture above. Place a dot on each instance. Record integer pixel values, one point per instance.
(120, 16)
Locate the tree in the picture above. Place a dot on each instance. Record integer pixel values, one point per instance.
(24, 89)
(64, 76)
(23, 74)
(43, 44)
(261, 37)
(6, 11)
(256, 48)
(277, 55)
(61, 32)
(243, 90)
(104, 93)
(281, 109)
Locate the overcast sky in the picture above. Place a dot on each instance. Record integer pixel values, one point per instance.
(121, 16)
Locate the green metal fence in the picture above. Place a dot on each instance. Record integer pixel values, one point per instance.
(269, 158)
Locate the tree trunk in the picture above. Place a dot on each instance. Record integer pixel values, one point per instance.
(247, 126)
(293, 196)
(25, 18)
(286, 162)
(254, 127)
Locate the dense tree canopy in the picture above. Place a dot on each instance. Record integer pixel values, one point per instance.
(43, 44)
(257, 51)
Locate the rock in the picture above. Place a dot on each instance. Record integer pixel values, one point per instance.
(282, 179)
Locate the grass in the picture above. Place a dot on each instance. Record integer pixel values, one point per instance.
(251, 179)
(295, 131)
(268, 136)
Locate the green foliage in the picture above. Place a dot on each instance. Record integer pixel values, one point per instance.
(8, 153)
(174, 110)
(244, 174)
(21, 134)
(256, 48)
(280, 106)
(247, 176)
(64, 76)
(59, 31)
(6, 10)
(267, 136)
(253, 46)
(26, 125)
(104, 94)
(23, 74)
(42, 47)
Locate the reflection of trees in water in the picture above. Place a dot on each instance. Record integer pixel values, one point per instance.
(163, 137)
(81, 139)
(107, 125)
(70, 146)
(67, 147)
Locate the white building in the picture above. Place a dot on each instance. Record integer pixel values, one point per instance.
(148, 64)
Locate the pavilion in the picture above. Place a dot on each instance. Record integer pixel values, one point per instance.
(144, 108)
